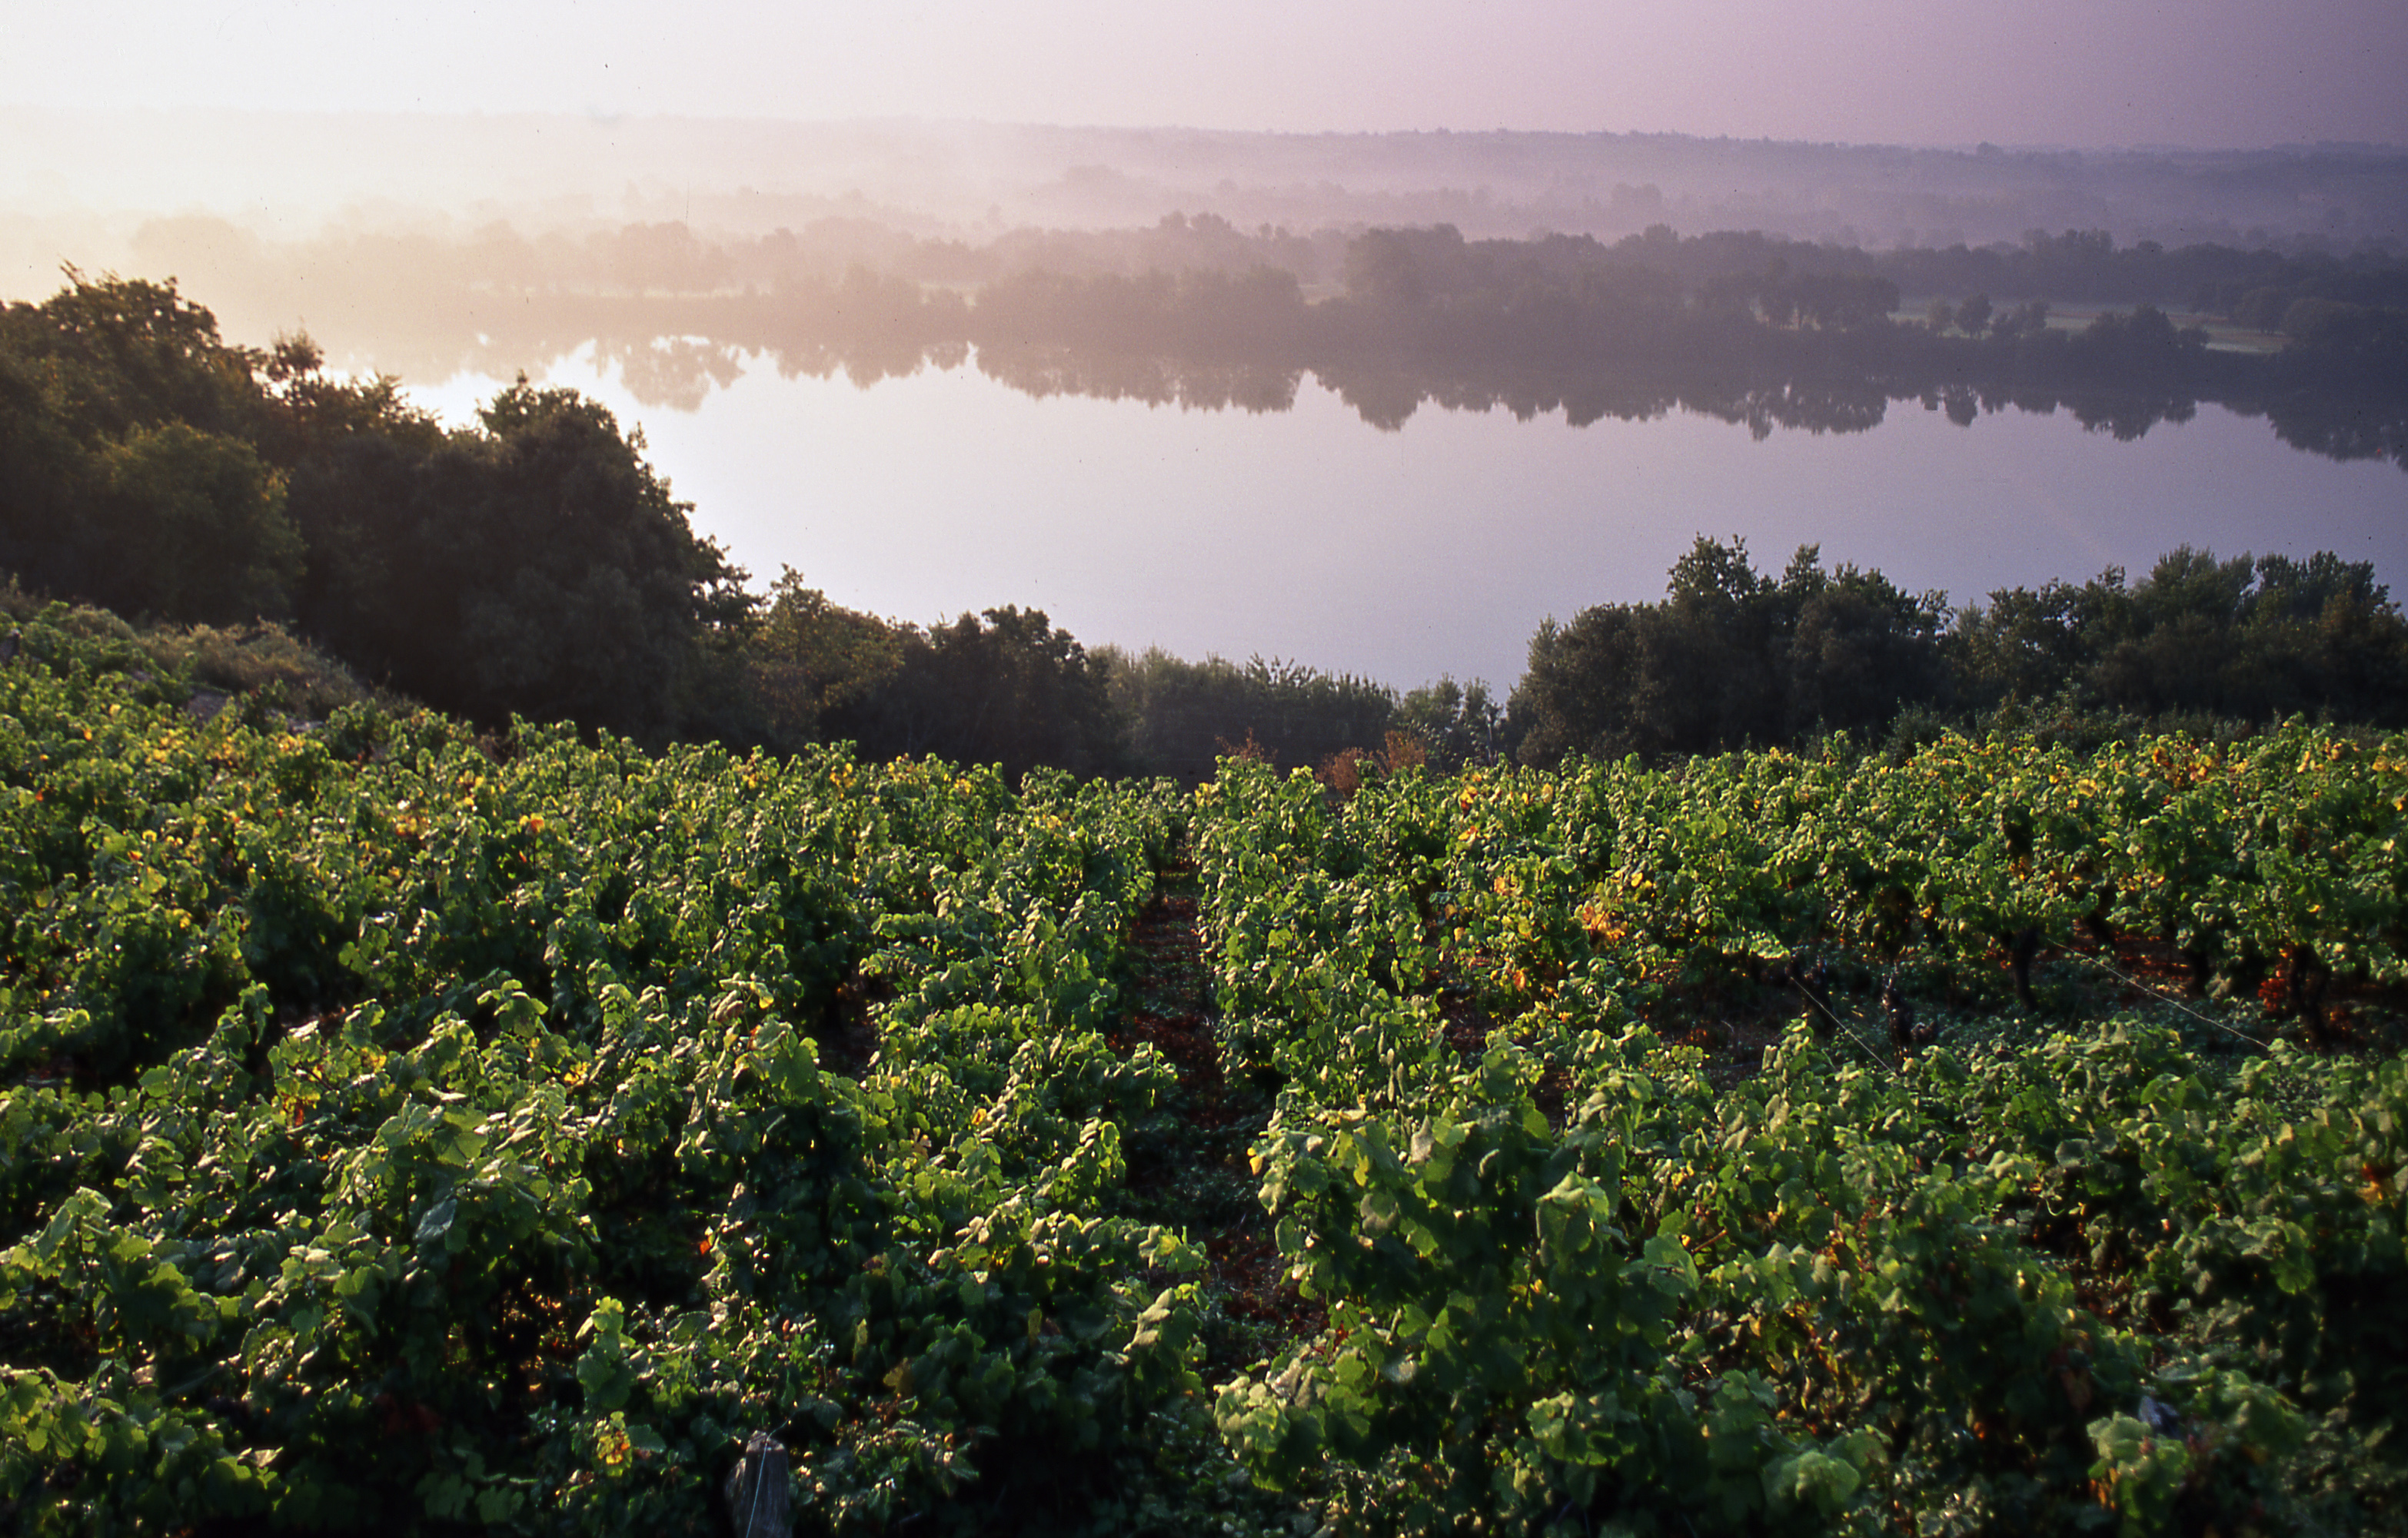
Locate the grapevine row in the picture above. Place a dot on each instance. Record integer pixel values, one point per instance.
(407, 1133)
(1573, 1283)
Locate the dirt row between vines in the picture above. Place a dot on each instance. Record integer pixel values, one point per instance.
(1196, 1176)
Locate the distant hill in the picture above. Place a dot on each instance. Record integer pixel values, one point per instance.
(287, 174)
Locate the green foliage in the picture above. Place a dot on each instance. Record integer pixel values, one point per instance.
(207, 519)
(393, 1133)
(1456, 724)
(117, 355)
(2250, 639)
(1569, 1281)
(537, 566)
(1730, 658)
(1007, 688)
(809, 659)
(1498, 1342)
(131, 476)
(396, 1132)
(1184, 716)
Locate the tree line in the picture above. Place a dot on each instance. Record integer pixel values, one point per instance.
(879, 301)
(1741, 308)
(661, 259)
(534, 564)
(1733, 658)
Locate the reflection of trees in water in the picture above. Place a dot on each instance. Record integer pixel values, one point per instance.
(1812, 406)
(677, 372)
(864, 363)
(2344, 430)
(2126, 418)
(1387, 397)
(1044, 371)
(1769, 336)
(672, 353)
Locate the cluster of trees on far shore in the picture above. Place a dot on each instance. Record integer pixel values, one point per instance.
(1739, 324)
(534, 564)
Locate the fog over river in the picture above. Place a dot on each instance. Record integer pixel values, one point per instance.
(1436, 547)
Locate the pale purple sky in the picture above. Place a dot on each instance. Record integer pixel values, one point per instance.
(2087, 73)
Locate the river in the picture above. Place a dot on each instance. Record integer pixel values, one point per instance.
(1439, 546)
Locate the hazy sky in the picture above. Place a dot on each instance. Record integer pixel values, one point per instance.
(2201, 72)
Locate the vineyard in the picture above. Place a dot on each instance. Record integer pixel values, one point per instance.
(404, 1131)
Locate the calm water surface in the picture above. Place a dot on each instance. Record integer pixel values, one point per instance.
(1439, 548)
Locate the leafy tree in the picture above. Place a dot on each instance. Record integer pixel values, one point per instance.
(2324, 629)
(2241, 638)
(45, 480)
(809, 659)
(1710, 681)
(537, 567)
(198, 524)
(130, 473)
(1843, 301)
(2140, 345)
(1184, 716)
(2168, 645)
(1575, 694)
(1730, 658)
(118, 354)
(1005, 688)
(1396, 268)
(1856, 648)
(1457, 724)
(307, 412)
(2353, 346)
(2026, 645)
(2028, 319)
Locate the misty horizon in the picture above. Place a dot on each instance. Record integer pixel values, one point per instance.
(2235, 73)
(278, 169)
(87, 185)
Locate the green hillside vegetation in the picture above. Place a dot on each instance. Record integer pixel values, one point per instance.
(533, 563)
(409, 1130)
